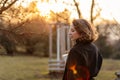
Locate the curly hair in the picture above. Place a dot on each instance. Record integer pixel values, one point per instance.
(86, 31)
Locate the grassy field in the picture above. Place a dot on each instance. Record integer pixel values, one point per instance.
(35, 68)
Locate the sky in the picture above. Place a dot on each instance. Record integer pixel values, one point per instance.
(110, 8)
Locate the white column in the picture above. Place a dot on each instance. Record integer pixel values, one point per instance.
(58, 42)
(62, 42)
(68, 39)
(50, 42)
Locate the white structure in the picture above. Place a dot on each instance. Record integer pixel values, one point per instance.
(63, 45)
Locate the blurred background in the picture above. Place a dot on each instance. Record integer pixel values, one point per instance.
(25, 34)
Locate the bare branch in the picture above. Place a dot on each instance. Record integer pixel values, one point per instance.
(97, 14)
(4, 3)
(3, 8)
(91, 12)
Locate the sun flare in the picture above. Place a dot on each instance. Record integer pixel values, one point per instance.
(45, 8)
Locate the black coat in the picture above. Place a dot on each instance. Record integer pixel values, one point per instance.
(83, 62)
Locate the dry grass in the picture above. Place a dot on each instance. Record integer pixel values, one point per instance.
(35, 68)
(22, 68)
(108, 70)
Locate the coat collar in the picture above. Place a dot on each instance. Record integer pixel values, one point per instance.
(82, 42)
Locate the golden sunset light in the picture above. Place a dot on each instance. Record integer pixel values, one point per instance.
(109, 10)
(45, 8)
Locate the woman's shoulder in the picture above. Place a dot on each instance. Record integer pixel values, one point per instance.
(91, 46)
(94, 46)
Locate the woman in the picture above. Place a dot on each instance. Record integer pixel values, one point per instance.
(84, 60)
